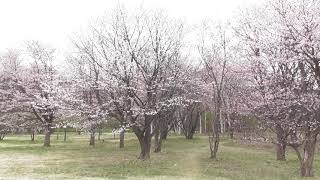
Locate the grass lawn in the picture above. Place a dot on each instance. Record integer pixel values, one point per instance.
(180, 159)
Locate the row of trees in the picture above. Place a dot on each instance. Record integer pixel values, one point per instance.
(137, 69)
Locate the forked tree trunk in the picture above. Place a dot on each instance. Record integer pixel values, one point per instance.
(122, 139)
(145, 143)
(92, 138)
(190, 126)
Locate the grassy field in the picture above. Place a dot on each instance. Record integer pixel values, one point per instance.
(180, 159)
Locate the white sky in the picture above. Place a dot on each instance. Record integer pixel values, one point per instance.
(53, 22)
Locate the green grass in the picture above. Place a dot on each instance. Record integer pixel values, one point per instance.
(180, 159)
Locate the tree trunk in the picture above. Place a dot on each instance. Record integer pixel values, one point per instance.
(164, 134)
(231, 133)
(157, 141)
(190, 125)
(92, 138)
(281, 143)
(281, 151)
(47, 137)
(214, 144)
(145, 143)
(205, 122)
(215, 138)
(99, 133)
(122, 139)
(158, 146)
(65, 135)
(306, 164)
(32, 136)
(189, 135)
(2, 135)
(200, 121)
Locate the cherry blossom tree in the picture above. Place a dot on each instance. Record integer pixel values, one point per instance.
(216, 50)
(284, 55)
(11, 89)
(84, 98)
(42, 87)
(137, 53)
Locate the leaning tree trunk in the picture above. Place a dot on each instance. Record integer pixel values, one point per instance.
(306, 163)
(281, 144)
(92, 138)
(122, 139)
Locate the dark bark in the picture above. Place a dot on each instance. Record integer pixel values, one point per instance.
(122, 138)
(164, 134)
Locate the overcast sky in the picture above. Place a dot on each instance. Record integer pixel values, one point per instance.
(55, 21)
